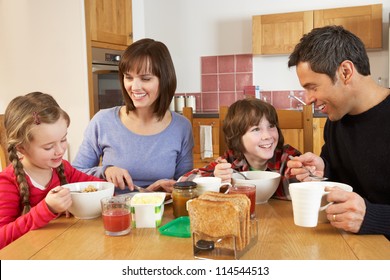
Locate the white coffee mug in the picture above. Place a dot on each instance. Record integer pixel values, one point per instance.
(309, 199)
(322, 215)
(209, 184)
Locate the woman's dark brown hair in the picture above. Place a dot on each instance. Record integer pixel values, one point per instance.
(244, 114)
(23, 113)
(153, 57)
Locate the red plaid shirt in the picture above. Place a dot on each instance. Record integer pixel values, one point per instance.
(274, 164)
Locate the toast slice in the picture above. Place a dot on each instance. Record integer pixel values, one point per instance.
(226, 223)
(218, 215)
(242, 204)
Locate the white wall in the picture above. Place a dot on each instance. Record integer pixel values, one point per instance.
(195, 28)
(43, 48)
(42, 45)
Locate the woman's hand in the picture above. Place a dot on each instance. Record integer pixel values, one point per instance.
(163, 184)
(119, 177)
(309, 160)
(58, 199)
(223, 170)
(348, 210)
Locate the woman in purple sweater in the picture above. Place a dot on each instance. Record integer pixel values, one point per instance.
(141, 143)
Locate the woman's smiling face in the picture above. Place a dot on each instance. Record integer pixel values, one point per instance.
(143, 88)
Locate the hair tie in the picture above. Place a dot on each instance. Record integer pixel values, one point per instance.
(36, 118)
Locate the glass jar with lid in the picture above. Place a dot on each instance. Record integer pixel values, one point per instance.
(182, 192)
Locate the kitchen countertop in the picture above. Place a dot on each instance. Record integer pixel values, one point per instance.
(215, 114)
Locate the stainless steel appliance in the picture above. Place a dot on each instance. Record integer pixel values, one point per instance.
(106, 87)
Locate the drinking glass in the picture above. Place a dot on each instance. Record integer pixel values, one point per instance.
(250, 191)
(116, 215)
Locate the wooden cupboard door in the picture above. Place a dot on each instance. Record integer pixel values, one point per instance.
(363, 21)
(197, 122)
(279, 33)
(318, 134)
(110, 22)
(294, 137)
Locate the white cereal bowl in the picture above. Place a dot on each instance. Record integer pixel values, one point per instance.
(266, 183)
(86, 205)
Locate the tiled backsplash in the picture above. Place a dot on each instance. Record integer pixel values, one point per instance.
(280, 98)
(228, 78)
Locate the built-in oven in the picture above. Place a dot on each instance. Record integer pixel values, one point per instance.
(107, 91)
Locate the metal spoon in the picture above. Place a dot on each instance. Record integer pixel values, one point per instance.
(311, 174)
(140, 189)
(238, 172)
(235, 171)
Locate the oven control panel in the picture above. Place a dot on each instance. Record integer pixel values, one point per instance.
(112, 57)
(106, 56)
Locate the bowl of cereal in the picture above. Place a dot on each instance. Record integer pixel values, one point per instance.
(86, 198)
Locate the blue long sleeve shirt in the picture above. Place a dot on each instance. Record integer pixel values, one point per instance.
(148, 158)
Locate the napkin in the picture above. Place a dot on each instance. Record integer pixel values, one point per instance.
(206, 141)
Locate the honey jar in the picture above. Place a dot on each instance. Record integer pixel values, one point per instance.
(182, 192)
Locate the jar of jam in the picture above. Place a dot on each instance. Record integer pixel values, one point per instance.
(182, 192)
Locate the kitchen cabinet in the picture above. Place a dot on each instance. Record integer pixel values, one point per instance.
(293, 137)
(109, 23)
(364, 21)
(108, 26)
(318, 134)
(196, 123)
(279, 33)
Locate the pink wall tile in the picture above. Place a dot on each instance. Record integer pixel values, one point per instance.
(226, 82)
(240, 95)
(209, 64)
(223, 80)
(244, 63)
(295, 103)
(210, 101)
(280, 99)
(267, 95)
(226, 64)
(228, 78)
(209, 83)
(226, 98)
(243, 80)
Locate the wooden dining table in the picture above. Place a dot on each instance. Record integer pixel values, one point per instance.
(278, 239)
